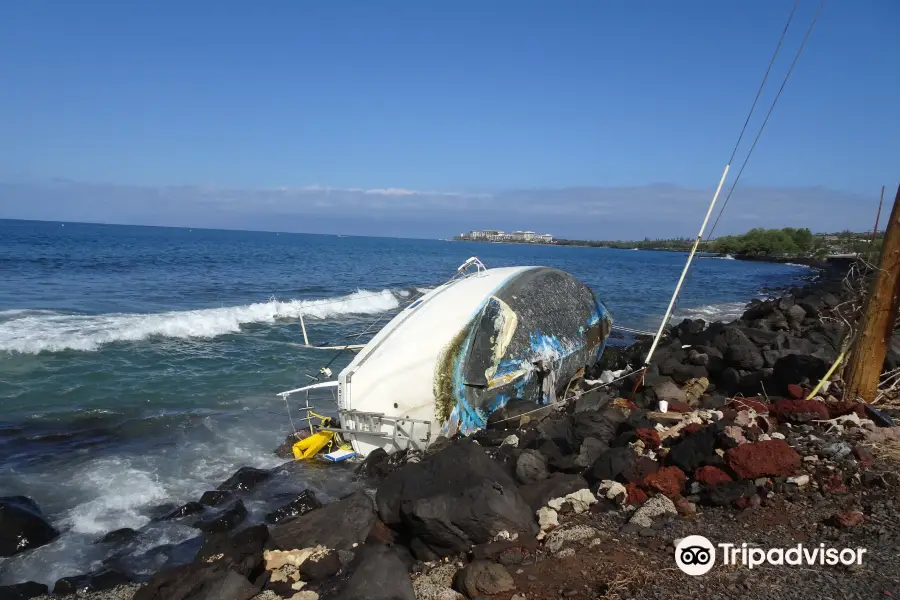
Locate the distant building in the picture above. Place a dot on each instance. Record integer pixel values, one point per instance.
(496, 235)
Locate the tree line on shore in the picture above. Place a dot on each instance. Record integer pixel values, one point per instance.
(776, 243)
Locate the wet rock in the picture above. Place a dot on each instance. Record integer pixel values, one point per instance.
(241, 552)
(667, 480)
(711, 476)
(377, 573)
(286, 449)
(97, 581)
(23, 591)
(531, 467)
(305, 502)
(483, 578)
(610, 465)
(337, 526)
(22, 526)
(772, 458)
(215, 497)
(557, 485)
(119, 536)
(245, 479)
(656, 507)
(727, 494)
(225, 520)
(455, 499)
(185, 510)
(320, 567)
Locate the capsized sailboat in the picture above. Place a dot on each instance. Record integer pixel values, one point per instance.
(465, 349)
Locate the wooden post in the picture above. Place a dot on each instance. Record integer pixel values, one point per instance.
(867, 356)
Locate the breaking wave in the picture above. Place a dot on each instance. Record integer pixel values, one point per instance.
(726, 311)
(33, 331)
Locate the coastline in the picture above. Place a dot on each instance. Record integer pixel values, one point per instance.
(672, 371)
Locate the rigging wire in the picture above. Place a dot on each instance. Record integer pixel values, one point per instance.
(688, 270)
(769, 114)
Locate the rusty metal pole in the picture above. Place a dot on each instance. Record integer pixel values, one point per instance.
(867, 357)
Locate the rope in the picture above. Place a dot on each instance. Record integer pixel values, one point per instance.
(769, 114)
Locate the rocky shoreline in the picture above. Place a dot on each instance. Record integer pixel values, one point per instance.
(587, 501)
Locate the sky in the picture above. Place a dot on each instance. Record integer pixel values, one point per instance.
(423, 119)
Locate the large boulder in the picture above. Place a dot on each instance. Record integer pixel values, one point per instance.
(245, 479)
(241, 553)
(305, 502)
(531, 466)
(337, 526)
(22, 527)
(23, 591)
(557, 485)
(799, 368)
(612, 464)
(454, 499)
(377, 573)
(770, 458)
(694, 449)
(594, 425)
(744, 358)
(225, 520)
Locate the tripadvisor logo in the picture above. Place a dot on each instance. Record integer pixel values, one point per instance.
(696, 555)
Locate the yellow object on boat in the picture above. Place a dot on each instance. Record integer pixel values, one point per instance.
(312, 445)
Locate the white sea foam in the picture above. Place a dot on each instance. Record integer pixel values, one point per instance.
(726, 311)
(31, 332)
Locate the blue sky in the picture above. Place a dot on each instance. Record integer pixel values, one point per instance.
(518, 105)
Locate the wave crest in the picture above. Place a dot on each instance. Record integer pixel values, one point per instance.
(32, 332)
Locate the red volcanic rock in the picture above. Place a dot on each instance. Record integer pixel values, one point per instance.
(692, 428)
(640, 469)
(668, 481)
(833, 484)
(795, 391)
(680, 407)
(770, 458)
(800, 411)
(845, 520)
(684, 507)
(839, 409)
(650, 437)
(711, 476)
(739, 404)
(864, 457)
(636, 496)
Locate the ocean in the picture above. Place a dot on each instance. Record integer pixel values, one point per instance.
(139, 366)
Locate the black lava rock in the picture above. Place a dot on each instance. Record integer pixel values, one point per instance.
(557, 485)
(245, 479)
(224, 520)
(302, 504)
(22, 526)
(694, 449)
(90, 582)
(119, 536)
(338, 525)
(23, 591)
(191, 508)
(611, 465)
(215, 497)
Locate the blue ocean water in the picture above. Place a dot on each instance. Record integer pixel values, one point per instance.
(140, 365)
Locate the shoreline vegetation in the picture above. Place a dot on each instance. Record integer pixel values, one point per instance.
(772, 245)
